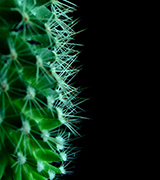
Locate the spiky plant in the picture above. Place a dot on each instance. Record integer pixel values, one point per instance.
(38, 104)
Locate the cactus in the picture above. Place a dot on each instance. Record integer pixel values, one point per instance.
(38, 102)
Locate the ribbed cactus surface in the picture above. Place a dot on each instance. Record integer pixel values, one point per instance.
(38, 102)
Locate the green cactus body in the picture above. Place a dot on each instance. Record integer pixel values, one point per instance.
(38, 104)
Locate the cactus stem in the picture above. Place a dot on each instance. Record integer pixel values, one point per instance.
(39, 61)
(47, 138)
(62, 169)
(51, 174)
(39, 64)
(61, 142)
(14, 164)
(19, 142)
(45, 135)
(38, 104)
(13, 54)
(11, 102)
(53, 1)
(37, 74)
(30, 93)
(63, 156)
(25, 17)
(25, 129)
(65, 121)
(7, 135)
(50, 100)
(1, 119)
(48, 73)
(48, 30)
(31, 142)
(40, 166)
(37, 141)
(4, 86)
(51, 146)
(21, 158)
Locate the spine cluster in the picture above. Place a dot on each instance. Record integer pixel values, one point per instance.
(39, 106)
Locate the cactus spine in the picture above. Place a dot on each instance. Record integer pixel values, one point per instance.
(38, 104)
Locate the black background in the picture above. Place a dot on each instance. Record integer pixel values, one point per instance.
(104, 150)
(111, 58)
(102, 142)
